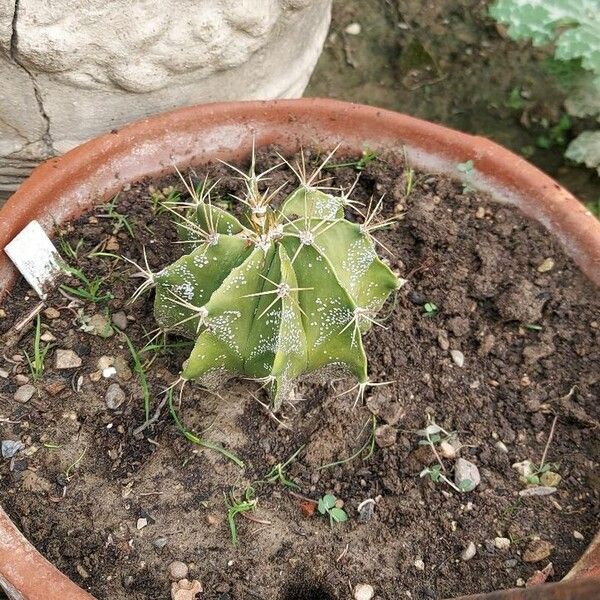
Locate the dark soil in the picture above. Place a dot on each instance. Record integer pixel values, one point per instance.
(531, 349)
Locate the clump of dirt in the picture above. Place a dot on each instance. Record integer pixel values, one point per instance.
(484, 339)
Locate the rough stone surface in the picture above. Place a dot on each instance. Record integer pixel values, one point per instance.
(178, 570)
(69, 81)
(385, 436)
(115, 396)
(24, 393)
(66, 359)
(466, 475)
(363, 591)
(537, 550)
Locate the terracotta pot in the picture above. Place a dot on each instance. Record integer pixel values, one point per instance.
(63, 188)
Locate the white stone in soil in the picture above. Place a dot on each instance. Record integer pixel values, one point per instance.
(24, 393)
(66, 359)
(502, 543)
(11, 447)
(458, 357)
(469, 552)
(178, 570)
(353, 29)
(115, 396)
(466, 471)
(363, 591)
(419, 564)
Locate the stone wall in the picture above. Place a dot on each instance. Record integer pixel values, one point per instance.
(71, 69)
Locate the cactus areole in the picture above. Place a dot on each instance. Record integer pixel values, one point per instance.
(276, 293)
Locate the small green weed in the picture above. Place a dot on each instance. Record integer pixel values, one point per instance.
(327, 507)
(278, 474)
(89, 289)
(236, 506)
(430, 309)
(36, 362)
(138, 368)
(120, 221)
(367, 157)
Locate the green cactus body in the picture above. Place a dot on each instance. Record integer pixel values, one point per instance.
(287, 294)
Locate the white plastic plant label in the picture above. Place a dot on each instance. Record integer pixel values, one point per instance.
(35, 257)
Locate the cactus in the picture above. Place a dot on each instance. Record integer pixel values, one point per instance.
(281, 291)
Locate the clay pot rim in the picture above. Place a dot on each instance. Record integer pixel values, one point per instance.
(62, 188)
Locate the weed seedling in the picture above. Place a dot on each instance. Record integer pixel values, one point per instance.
(359, 165)
(430, 309)
(435, 435)
(468, 170)
(278, 473)
(119, 220)
(138, 368)
(72, 252)
(327, 507)
(71, 468)
(89, 289)
(36, 362)
(236, 507)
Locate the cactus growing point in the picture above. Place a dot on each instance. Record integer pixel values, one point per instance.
(276, 293)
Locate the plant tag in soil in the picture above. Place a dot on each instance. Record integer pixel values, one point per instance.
(35, 257)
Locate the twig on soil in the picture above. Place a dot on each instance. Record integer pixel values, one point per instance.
(344, 552)
(301, 497)
(550, 436)
(29, 316)
(152, 419)
(255, 519)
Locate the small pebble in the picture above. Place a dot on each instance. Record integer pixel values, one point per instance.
(537, 550)
(385, 436)
(21, 379)
(501, 446)
(104, 362)
(550, 479)
(11, 447)
(447, 450)
(546, 265)
(66, 359)
(502, 543)
(52, 313)
(363, 591)
(24, 393)
(366, 510)
(469, 552)
(466, 475)
(185, 590)
(419, 564)
(353, 29)
(108, 372)
(538, 490)
(141, 523)
(442, 340)
(99, 325)
(458, 357)
(178, 570)
(119, 319)
(160, 542)
(578, 536)
(115, 396)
